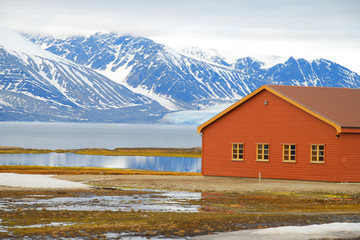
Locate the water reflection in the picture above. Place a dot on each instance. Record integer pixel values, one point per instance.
(148, 200)
(173, 164)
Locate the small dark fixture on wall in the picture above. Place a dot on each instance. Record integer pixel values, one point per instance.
(266, 102)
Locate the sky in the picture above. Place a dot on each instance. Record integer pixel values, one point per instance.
(307, 29)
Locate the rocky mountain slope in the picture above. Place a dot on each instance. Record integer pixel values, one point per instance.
(38, 85)
(190, 79)
(108, 77)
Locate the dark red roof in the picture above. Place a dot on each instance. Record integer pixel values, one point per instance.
(339, 105)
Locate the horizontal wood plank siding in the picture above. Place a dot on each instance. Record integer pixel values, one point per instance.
(350, 157)
(276, 123)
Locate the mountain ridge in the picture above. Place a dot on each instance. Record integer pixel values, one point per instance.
(160, 61)
(169, 81)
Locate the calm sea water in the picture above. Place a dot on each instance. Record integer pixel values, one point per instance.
(173, 164)
(96, 135)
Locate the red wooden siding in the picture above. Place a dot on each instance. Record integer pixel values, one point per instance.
(350, 157)
(276, 123)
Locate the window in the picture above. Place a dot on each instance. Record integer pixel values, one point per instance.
(262, 152)
(317, 153)
(289, 153)
(238, 151)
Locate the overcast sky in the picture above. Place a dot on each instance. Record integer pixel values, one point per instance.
(301, 28)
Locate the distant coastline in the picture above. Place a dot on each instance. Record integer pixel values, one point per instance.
(160, 152)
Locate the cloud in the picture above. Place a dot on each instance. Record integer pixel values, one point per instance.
(282, 26)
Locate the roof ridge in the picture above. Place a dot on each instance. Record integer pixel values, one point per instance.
(319, 87)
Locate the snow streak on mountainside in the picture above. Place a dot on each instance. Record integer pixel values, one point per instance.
(38, 85)
(109, 77)
(191, 79)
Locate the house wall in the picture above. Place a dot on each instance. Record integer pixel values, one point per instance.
(277, 123)
(350, 157)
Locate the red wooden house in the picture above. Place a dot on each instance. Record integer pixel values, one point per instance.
(286, 132)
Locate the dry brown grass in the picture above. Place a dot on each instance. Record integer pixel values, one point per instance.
(161, 152)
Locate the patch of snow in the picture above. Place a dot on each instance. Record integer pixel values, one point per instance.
(52, 224)
(15, 43)
(3, 103)
(120, 75)
(316, 231)
(36, 181)
(270, 60)
(201, 53)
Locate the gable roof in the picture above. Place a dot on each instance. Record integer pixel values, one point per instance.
(339, 107)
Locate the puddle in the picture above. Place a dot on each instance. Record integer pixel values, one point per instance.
(153, 201)
(128, 236)
(53, 224)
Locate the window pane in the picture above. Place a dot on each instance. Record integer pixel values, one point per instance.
(286, 147)
(259, 151)
(266, 146)
(313, 147)
(292, 147)
(259, 157)
(266, 157)
(321, 147)
(266, 151)
(292, 152)
(241, 151)
(293, 158)
(314, 158)
(260, 146)
(314, 153)
(286, 158)
(286, 152)
(241, 156)
(234, 156)
(321, 159)
(321, 153)
(241, 145)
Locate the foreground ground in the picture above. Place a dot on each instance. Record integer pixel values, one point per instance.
(224, 204)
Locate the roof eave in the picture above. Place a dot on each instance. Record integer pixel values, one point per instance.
(350, 130)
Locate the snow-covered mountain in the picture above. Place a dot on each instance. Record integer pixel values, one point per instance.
(127, 77)
(38, 85)
(191, 79)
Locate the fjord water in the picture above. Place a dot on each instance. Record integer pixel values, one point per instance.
(90, 135)
(171, 164)
(57, 135)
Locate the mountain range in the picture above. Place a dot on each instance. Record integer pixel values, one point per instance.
(107, 77)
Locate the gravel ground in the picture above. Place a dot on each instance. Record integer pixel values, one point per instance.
(211, 184)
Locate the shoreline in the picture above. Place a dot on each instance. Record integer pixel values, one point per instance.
(194, 152)
(45, 170)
